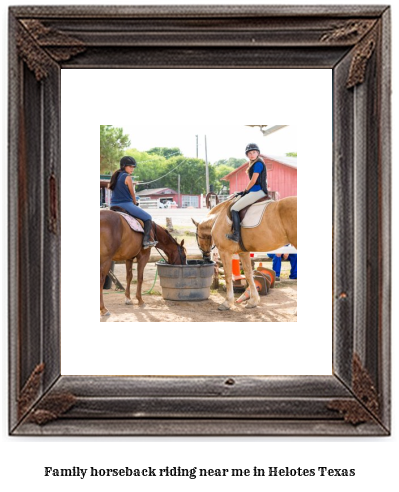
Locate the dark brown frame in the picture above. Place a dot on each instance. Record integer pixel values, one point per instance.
(353, 41)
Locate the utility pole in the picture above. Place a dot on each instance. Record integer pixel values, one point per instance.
(178, 191)
(196, 136)
(206, 168)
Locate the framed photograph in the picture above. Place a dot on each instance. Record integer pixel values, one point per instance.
(353, 44)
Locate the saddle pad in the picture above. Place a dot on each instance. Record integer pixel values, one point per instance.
(254, 215)
(133, 222)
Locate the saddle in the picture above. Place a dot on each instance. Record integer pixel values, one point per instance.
(254, 219)
(121, 210)
(243, 212)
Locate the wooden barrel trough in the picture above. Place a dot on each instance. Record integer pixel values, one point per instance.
(191, 282)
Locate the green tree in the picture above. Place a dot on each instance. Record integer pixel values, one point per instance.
(192, 175)
(291, 154)
(150, 167)
(166, 152)
(231, 162)
(112, 145)
(156, 171)
(220, 171)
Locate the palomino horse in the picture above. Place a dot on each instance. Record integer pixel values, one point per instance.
(119, 243)
(277, 228)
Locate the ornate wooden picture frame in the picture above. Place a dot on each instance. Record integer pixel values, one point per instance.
(352, 41)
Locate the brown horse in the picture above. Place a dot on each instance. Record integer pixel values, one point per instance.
(119, 243)
(277, 228)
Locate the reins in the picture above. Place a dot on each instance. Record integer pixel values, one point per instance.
(204, 253)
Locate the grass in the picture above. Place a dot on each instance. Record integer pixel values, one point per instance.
(183, 230)
(153, 293)
(189, 239)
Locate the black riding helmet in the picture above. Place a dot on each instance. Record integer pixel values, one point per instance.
(127, 161)
(251, 146)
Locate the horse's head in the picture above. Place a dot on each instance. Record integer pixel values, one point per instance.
(204, 239)
(175, 252)
(178, 255)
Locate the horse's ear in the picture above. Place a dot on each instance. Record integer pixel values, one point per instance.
(182, 242)
(195, 223)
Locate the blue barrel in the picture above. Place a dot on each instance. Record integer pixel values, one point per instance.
(191, 282)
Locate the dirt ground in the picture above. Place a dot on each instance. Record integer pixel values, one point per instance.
(279, 305)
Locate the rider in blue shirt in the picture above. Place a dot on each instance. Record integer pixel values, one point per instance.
(123, 196)
(256, 189)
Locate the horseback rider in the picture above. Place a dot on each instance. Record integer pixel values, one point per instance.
(254, 191)
(123, 196)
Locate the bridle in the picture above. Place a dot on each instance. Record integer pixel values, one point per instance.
(205, 254)
(179, 248)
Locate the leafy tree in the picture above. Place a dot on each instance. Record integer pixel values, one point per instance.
(192, 175)
(149, 168)
(291, 154)
(166, 152)
(157, 171)
(231, 162)
(220, 171)
(112, 145)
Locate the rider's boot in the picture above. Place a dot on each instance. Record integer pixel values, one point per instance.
(147, 243)
(236, 236)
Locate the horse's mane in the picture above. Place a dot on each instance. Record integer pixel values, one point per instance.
(220, 206)
(167, 232)
(209, 220)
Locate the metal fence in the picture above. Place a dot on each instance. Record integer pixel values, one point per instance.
(149, 203)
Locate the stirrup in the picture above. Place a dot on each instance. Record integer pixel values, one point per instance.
(150, 244)
(233, 237)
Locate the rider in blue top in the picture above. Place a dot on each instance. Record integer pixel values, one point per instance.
(256, 189)
(123, 196)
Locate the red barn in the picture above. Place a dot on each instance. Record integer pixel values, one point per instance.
(281, 176)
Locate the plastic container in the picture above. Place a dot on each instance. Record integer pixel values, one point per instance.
(191, 282)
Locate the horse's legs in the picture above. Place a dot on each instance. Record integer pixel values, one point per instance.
(246, 263)
(142, 260)
(129, 277)
(104, 269)
(228, 271)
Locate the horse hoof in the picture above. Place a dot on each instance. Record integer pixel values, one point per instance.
(129, 302)
(223, 307)
(107, 313)
(250, 306)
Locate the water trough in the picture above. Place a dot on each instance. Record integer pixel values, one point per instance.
(191, 282)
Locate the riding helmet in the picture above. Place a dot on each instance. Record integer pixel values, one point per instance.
(251, 146)
(127, 161)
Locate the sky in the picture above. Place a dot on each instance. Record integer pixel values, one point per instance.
(223, 141)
